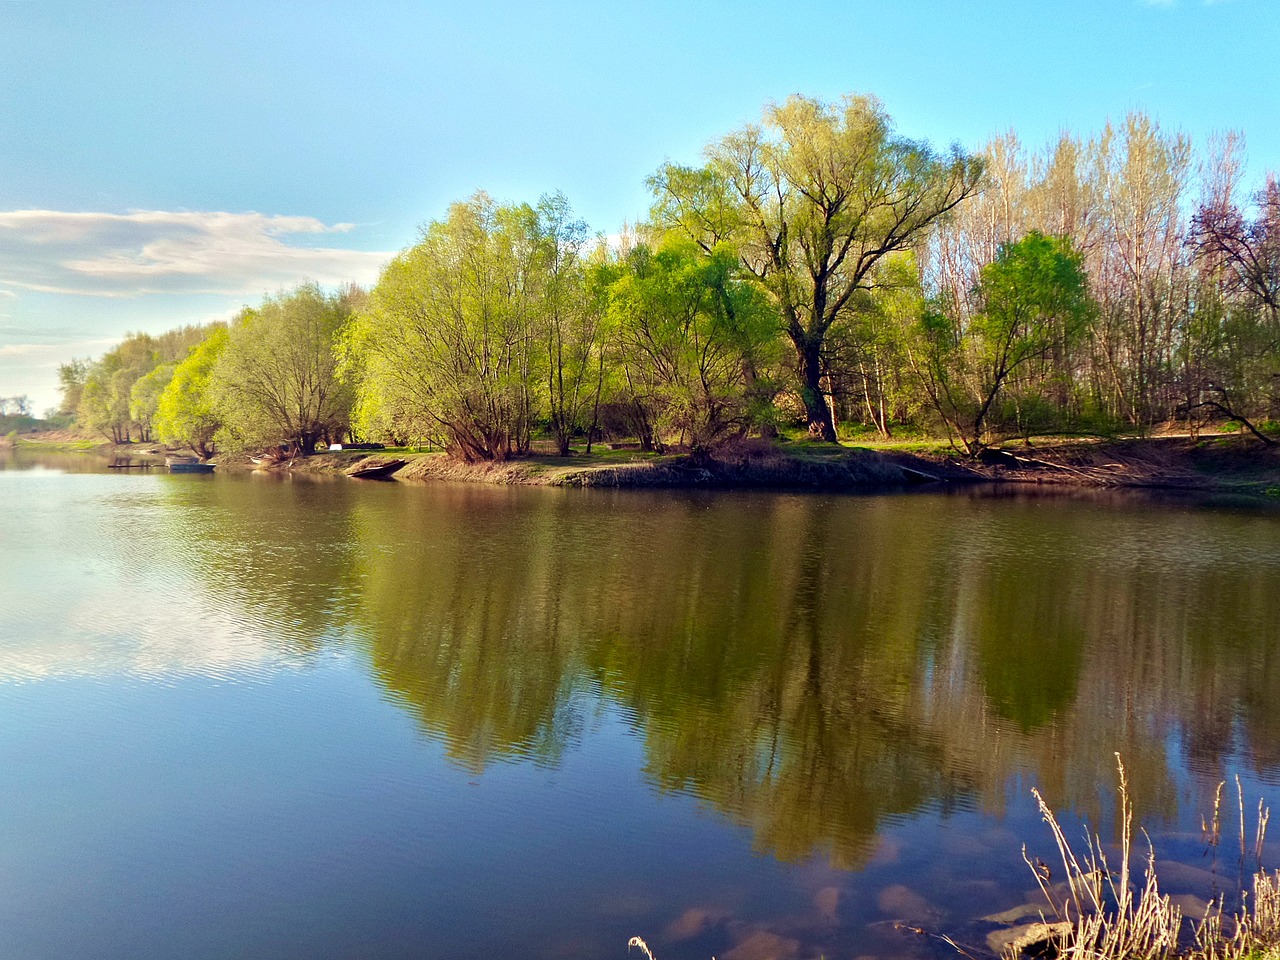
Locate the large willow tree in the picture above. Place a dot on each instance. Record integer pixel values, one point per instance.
(814, 198)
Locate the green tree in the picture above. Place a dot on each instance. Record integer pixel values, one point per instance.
(570, 321)
(144, 397)
(1031, 301)
(185, 412)
(275, 380)
(814, 198)
(1034, 299)
(690, 328)
(449, 342)
(72, 376)
(105, 398)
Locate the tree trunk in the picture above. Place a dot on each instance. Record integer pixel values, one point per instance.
(821, 426)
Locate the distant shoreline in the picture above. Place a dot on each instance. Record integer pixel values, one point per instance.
(1222, 463)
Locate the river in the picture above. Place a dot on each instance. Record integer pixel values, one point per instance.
(250, 716)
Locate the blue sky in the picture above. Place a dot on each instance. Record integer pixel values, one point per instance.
(165, 163)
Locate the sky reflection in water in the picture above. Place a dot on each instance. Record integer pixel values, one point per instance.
(243, 716)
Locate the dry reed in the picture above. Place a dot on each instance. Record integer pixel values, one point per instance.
(1111, 919)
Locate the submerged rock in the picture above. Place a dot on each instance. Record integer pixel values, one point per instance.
(1014, 914)
(903, 903)
(1034, 938)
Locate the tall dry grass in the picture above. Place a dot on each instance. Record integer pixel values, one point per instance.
(1105, 915)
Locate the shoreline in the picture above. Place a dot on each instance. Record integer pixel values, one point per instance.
(1222, 464)
(1211, 464)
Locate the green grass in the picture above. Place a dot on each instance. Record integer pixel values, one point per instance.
(60, 445)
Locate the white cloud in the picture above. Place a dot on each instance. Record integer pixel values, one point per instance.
(173, 252)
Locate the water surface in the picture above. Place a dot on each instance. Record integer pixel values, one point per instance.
(246, 716)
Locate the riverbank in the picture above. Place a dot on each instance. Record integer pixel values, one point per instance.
(1226, 463)
(1222, 463)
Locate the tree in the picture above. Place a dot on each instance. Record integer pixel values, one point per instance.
(1248, 251)
(19, 406)
(144, 397)
(71, 380)
(570, 322)
(689, 330)
(108, 388)
(814, 198)
(1139, 271)
(1233, 347)
(185, 412)
(1031, 301)
(275, 379)
(1034, 299)
(450, 339)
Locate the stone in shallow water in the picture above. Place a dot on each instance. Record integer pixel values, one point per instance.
(827, 900)
(694, 922)
(764, 945)
(1191, 906)
(1014, 914)
(903, 903)
(1185, 878)
(1025, 937)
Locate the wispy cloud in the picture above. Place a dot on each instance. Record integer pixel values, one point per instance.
(173, 252)
(50, 354)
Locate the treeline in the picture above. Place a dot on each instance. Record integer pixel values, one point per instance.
(16, 415)
(818, 270)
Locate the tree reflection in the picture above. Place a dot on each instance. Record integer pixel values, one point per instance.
(808, 667)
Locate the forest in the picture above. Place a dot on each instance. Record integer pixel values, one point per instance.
(818, 275)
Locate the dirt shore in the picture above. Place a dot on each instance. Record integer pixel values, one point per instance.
(1177, 463)
(1219, 463)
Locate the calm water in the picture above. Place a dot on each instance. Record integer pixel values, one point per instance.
(248, 717)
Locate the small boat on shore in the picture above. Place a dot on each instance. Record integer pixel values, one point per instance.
(187, 465)
(375, 468)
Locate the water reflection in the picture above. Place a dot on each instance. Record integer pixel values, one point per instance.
(809, 667)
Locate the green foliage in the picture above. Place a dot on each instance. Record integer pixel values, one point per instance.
(448, 346)
(144, 396)
(71, 380)
(570, 321)
(107, 390)
(814, 199)
(1031, 303)
(185, 411)
(818, 268)
(275, 381)
(691, 330)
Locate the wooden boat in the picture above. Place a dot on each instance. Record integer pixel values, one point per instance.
(378, 469)
(187, 465)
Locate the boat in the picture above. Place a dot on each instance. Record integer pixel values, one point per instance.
(379, 469)
(187, 465)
